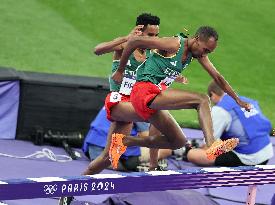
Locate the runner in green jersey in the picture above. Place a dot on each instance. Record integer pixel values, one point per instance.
(117, 102)
(171, 55)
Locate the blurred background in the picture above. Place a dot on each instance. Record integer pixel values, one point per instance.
(52, 36)
(49, 74)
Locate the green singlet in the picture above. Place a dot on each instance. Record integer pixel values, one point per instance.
(130, 75)
(159, 69)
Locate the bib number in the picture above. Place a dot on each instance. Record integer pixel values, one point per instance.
(115, 97)
(127, 85)
(168, 81)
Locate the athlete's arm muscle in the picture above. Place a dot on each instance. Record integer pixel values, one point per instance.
(170, 45)
(110, 46)
(117, 43)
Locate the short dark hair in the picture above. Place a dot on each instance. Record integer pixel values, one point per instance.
(213, 87)
(147, 18)
(206, 32)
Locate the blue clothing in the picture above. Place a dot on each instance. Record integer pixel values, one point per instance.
(94, 151)
(252, 128)
(98, 132)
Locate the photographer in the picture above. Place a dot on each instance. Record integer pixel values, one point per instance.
(252, 128)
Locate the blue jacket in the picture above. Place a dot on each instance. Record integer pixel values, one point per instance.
(98, 132)
(255, 126)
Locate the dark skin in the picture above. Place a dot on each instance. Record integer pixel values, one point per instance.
(123, 113)
(172, 99)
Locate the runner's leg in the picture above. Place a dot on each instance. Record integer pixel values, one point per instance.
(172, 136)
(172, 99)
(153, 152)
(103, 161)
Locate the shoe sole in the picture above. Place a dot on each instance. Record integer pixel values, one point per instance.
(220, 147)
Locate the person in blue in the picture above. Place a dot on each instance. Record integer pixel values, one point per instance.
(230, 120)
(96, 140)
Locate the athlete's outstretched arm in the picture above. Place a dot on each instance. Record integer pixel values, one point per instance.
(219, 79)
(170, 45)
(117, 43)
(110, 46)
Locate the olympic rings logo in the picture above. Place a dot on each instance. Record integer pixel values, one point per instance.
(50, 189)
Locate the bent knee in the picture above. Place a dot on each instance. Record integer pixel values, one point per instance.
(150, 140)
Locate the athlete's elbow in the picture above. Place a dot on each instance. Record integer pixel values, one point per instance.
(97, 51)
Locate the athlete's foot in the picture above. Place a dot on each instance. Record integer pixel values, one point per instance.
(66, 200)
(219, 147)
(117, 148)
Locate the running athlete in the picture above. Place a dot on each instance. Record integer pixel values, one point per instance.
(117, 105)
(119, 110)
(171, 55)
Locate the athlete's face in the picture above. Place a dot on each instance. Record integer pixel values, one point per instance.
(151, 30)
(202, 48)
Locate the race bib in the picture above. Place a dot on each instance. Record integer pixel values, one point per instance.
(168, 80)
(115, 97)
(127, 84)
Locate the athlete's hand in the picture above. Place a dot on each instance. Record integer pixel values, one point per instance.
(181, 79)
(245, 105)
(137, 31)
(117, 76)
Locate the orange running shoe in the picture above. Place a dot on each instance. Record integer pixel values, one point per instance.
(219, 147)
(117, 148)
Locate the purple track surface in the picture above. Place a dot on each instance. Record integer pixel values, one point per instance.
(12, 168)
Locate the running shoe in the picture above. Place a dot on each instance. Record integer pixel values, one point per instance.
(219, 147)
(117, 148)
